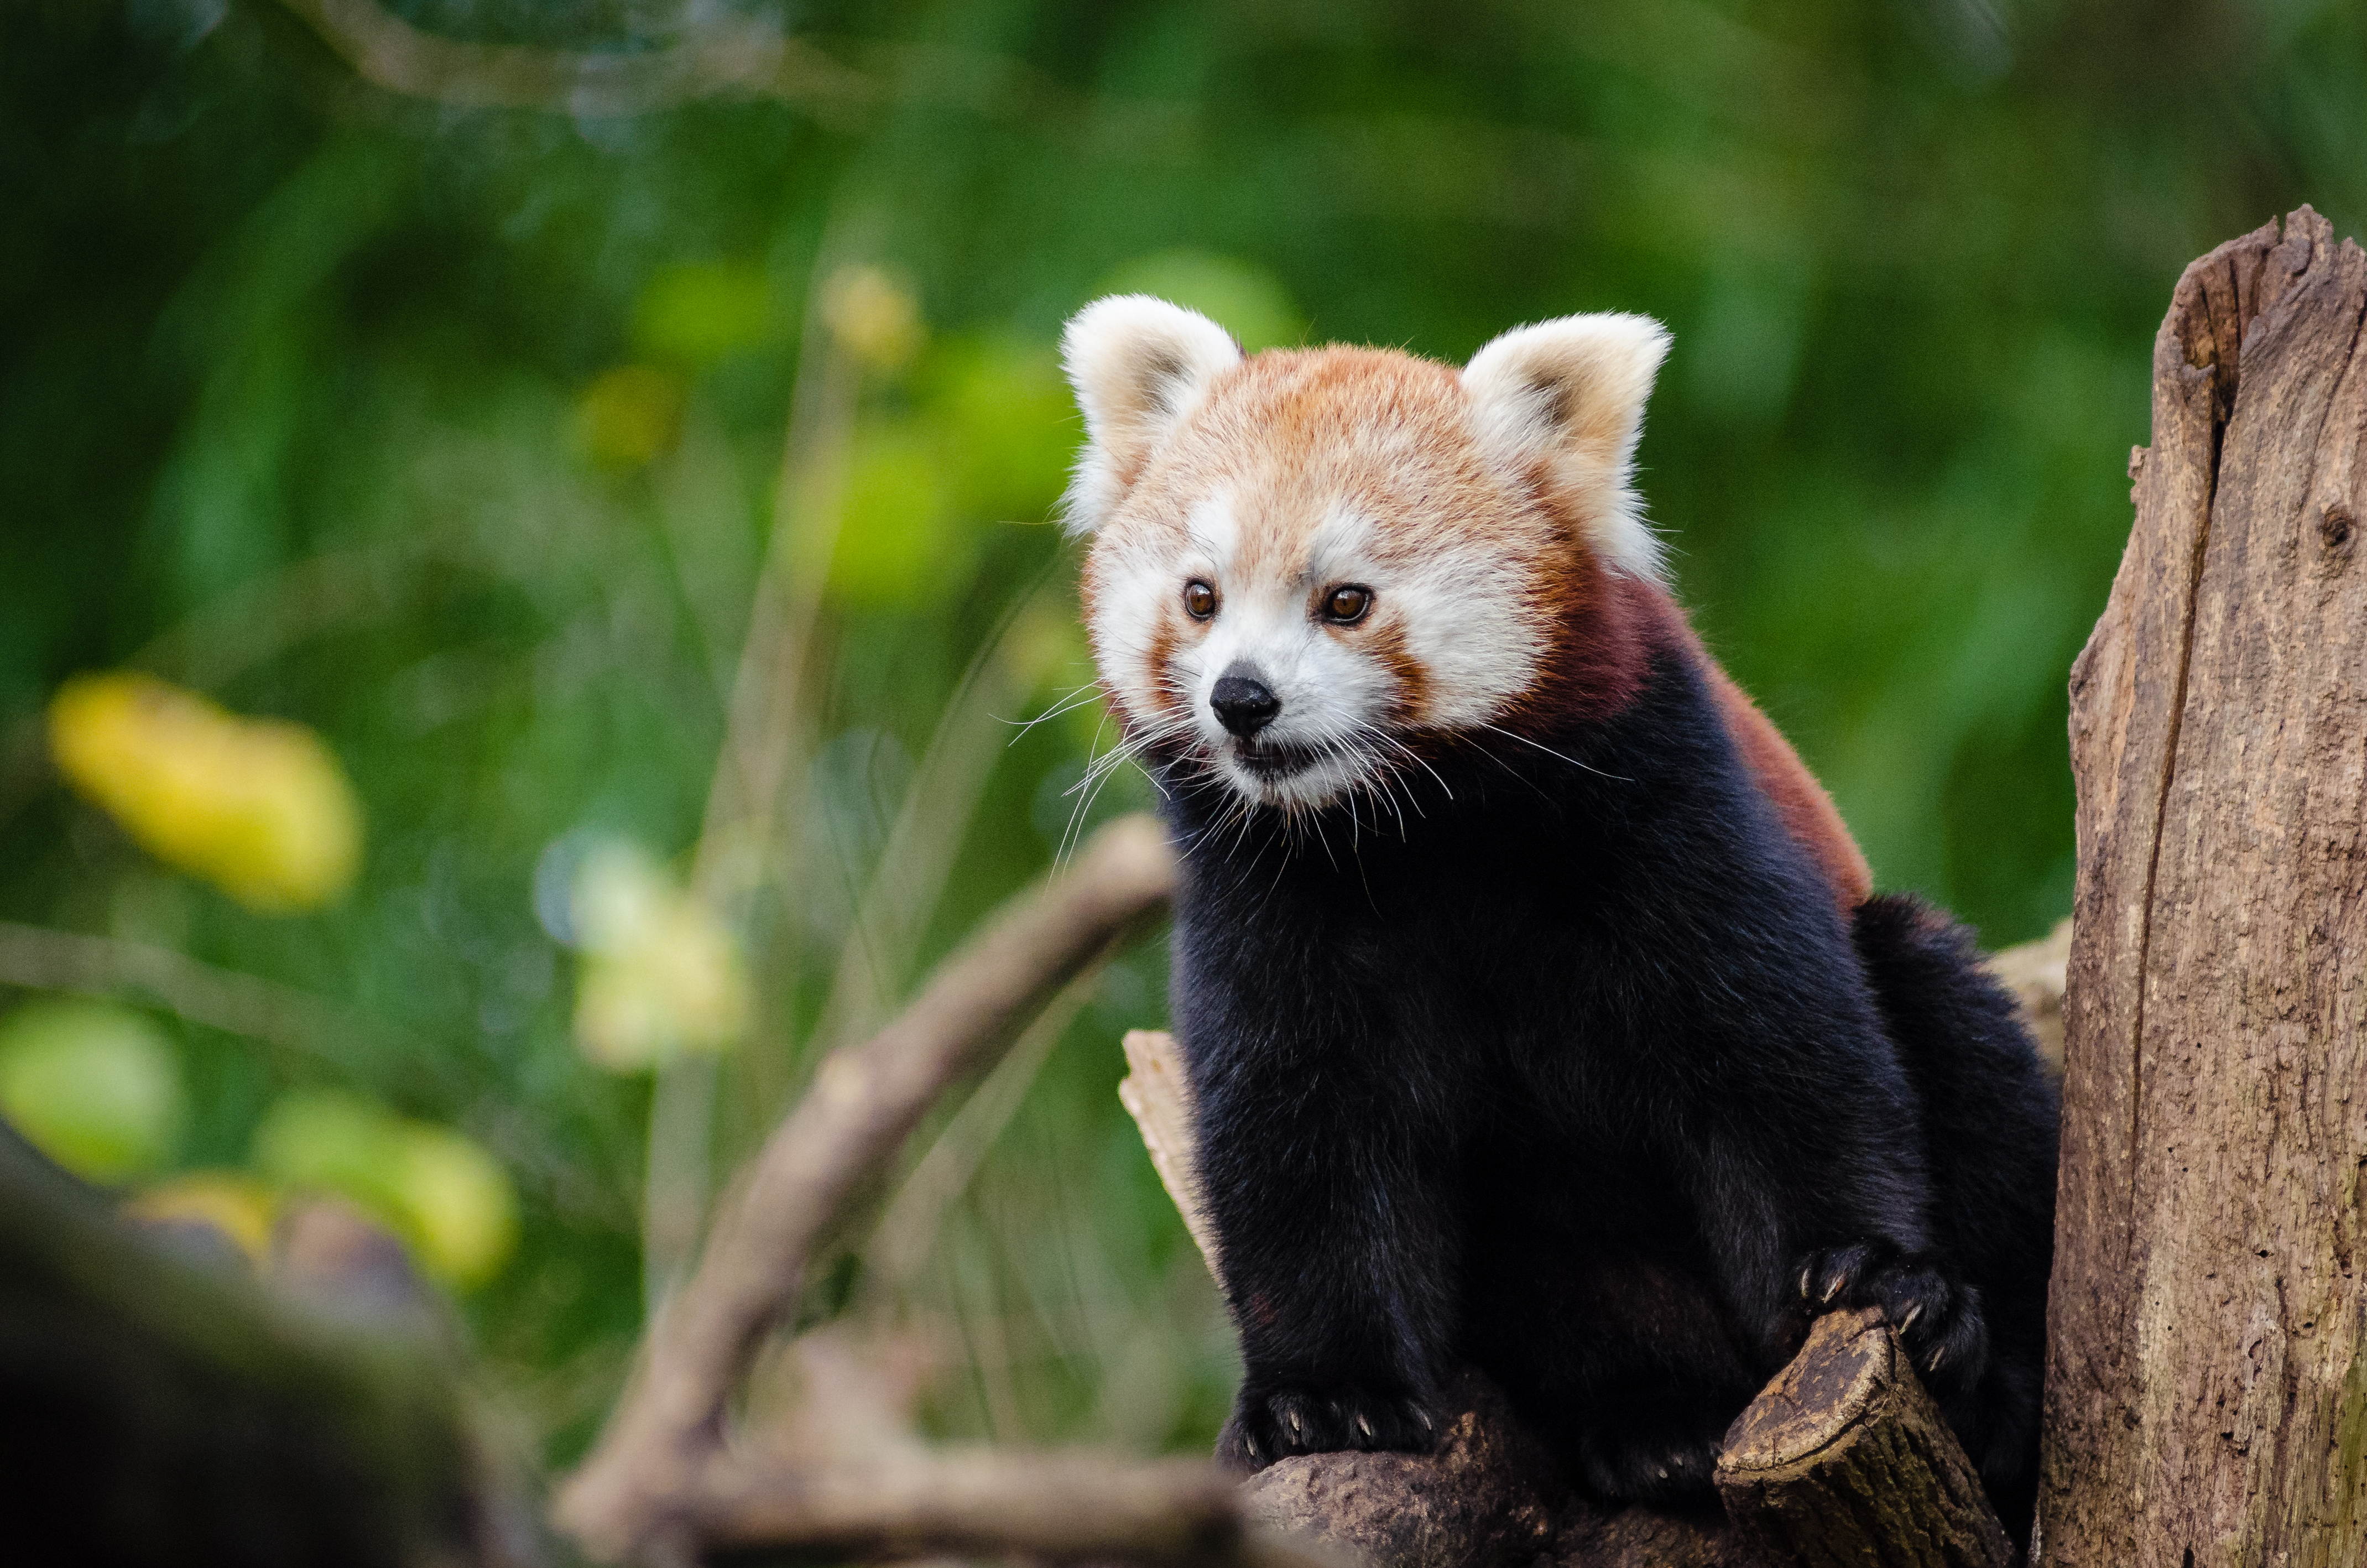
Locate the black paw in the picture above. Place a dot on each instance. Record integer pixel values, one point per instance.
(1938, 1320)
(1274, 1420)
(1646, 1464)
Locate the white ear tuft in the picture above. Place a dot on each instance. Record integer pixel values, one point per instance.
(1569, 394)
(1139, 365)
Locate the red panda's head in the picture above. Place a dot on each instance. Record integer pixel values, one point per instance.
(1308, 565)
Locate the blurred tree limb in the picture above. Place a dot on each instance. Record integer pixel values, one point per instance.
(280, 1016)
(985, 1503)
(176, 1412)
(735, 58)
(667, 1482)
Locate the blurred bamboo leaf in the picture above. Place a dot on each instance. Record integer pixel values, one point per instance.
(94, 1086)
(327, 1140)
(257, 806)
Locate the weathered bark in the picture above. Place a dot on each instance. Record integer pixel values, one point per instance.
(1844, 1459)
(1487, 1496)
(2206, 1397)
(1159, 1097)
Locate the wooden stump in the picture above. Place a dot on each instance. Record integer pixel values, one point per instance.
(1844, 1459)
(2206, 1394)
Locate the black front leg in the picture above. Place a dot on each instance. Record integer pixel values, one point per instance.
(1337, 1249)
(1806, 1215)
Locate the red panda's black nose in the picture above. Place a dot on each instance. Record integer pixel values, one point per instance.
(1243, 704)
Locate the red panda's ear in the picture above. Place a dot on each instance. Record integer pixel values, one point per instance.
(1139, 365)
(1569, 394)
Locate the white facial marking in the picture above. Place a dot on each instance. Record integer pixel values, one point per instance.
(1267, 629)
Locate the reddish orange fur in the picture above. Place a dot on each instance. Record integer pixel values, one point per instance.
(1292, 433)
(1606, 627)
(1611, 626)
(1807, 808)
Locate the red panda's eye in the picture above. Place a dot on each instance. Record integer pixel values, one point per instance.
(1347, 603)
(1200, 599)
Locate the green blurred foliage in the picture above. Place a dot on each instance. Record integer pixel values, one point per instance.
(699, 312)
(95, 1086)
(898, 544)
(1248, 300)
(456, 433)
(631, 414)
(434, 1188)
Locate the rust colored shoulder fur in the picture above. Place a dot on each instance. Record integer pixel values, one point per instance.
(1807, 809)
(1612, 623)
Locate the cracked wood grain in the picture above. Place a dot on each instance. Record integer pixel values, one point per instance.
(2207, 1361)
(1844, 1459)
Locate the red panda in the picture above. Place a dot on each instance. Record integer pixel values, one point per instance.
(1540, 1011)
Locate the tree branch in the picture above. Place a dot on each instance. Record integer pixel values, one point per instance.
(638, 1492)
(1845, 1458)
(984, 1503)
(744, 60)
(296, 1021)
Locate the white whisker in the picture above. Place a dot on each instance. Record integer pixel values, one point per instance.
(1511, 735)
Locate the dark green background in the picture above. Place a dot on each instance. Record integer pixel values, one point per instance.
(289, 370)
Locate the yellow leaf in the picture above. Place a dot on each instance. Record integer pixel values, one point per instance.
(660, 973)
(259, 807)
(463, 1211)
